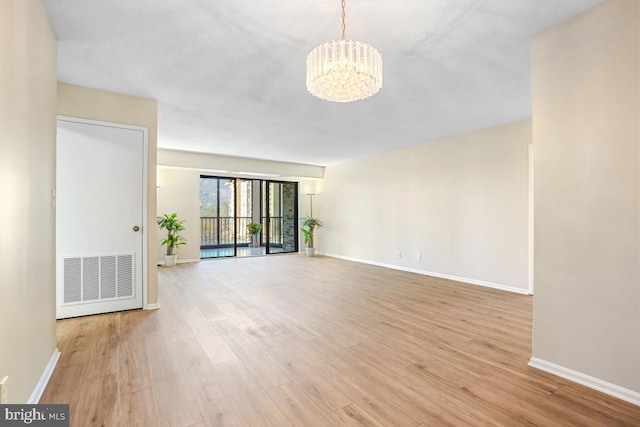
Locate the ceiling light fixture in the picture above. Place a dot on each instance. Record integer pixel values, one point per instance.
(344, 71)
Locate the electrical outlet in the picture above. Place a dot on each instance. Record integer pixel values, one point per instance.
(418, 256)
(3, 390)
(399, 254)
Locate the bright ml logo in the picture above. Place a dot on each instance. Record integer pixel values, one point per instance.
(34, 415)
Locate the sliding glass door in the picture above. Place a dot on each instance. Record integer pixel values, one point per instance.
(217, 217)
(228, 205)
(280, 208)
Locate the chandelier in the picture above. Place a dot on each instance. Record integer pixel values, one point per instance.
(344, 71)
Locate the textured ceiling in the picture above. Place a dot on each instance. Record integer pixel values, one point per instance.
(229, 76)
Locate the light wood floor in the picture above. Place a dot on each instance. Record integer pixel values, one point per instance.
(294, 341)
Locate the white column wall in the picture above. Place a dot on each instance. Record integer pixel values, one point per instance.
(27, 177)
(586, 131)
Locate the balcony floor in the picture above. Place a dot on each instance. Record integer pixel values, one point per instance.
(242, 251)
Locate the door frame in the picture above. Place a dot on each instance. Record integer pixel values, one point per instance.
(267, 215)
(145, 196)
(258, 198)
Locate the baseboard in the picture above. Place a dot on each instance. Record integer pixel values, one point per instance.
(181, 261)
(586, 380)
(44, 378)
(154, 306)
(432, 274)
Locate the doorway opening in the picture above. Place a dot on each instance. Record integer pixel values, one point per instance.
(228, 205)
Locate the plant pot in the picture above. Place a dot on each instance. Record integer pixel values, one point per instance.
(170, 260)
(310, 251)
(255, 245)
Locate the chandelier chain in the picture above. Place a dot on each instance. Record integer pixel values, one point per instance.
(344, 26)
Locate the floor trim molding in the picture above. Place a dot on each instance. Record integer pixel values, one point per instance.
(180, 261)
(430, 273)
(44, 378)
(154, 306)
(586, 380)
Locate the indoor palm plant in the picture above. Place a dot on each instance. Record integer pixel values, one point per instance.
(174, 226)
(254, 230)
(309, 226)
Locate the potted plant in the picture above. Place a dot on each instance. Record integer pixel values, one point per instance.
(255, 229)
(174, 226)
(309, 226)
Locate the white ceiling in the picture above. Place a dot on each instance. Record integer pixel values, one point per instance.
(229, 76)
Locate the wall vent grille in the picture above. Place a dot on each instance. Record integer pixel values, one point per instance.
(97, 278)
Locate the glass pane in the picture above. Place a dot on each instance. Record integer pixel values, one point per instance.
(226, 194)
(208, 212)
(245, 209)
(208, 197)
(217, 224)
(281, 203)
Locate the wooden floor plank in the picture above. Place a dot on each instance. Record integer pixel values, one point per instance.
(261, 364)
(218, 408)
(298, 407)
(354, 416)
(255, 403)
(384, 411)
(133, 371)
(75, 340)
(138, 409)
(290, 341)
(97, 403)
(64, 384)
(174, 390)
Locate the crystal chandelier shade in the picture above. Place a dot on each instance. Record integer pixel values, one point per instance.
(344, 71)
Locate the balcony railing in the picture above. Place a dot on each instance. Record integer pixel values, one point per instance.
(275, 230)
(217, 232)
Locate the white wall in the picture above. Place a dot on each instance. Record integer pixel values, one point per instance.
(179, 192)
(229, 165)
(586, 131)
(460, 202)
(27, 177)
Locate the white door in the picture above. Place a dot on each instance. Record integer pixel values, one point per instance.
(100, 212)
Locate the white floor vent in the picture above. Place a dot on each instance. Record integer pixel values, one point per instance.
(93, 278)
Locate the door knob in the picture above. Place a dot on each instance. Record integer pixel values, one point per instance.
(136, 228)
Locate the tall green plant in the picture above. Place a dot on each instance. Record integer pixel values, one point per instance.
(309, 226)
(174, 226)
